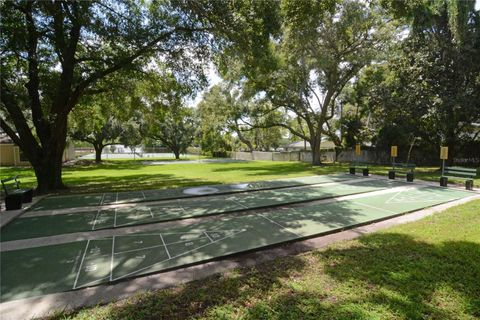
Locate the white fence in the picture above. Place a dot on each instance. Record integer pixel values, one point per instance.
(306, 156)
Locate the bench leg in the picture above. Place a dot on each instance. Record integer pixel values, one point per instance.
(391, 174)
(469, 184)
(443, 181)
(352, 170)
(365, 172)
(13, 202)
(410, 176)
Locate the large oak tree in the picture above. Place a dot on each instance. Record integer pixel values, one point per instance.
(55, 52)
(318, 48)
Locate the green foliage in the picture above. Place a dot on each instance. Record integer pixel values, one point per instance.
(55, 53)
(175, 126)
(430, 87)
(320, 47)
(226, 111)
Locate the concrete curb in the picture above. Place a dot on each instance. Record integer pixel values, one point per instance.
(7, 216)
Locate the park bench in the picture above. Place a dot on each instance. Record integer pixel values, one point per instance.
(14, 195)
(467, 174)
(359, 165)
(405, 168)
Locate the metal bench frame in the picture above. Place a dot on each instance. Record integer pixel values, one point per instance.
(14, 195)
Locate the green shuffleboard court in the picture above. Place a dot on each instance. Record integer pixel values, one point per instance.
(34, 225)
(85, 200)
(64, 267)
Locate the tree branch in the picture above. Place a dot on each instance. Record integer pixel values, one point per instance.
(33, 83)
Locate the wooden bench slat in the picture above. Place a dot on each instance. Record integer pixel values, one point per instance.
(462, 169)
(472, 173)
(460, 172)
(466, 174)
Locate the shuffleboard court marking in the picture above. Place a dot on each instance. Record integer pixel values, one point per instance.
(176, 256)
(166, 249)
(418, 197)
(81, 264)
(159, 245)
(377, 208)
(111, 259)
(140, 249)
(151, 213)
(211, 240)
(396, 194)
(278, 224)
(179, 204)
(235, 201)
(174, 242)
(93, 281)
(164, 233)
(143, 194)
(115, 217)
(95, 221)
(116, 199)
(103, 197)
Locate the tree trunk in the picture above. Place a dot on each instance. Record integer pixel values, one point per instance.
(48, 167)
(176, 152)
(338, 151)
(412, 143)
(315, 145)
(98, 153)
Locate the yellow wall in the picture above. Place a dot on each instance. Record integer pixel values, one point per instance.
(10, 155)
(7, 155)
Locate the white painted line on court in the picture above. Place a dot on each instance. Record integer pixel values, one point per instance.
(278, 224)
(111, 259)
(92, 282)
(80, 267)
(103, 197)
(159, 245)
(377, 208)
(116, 199)
(140, 249)
(143, 194)
(208, 236)
(151, 213)
(234, 201)
(166, 249)
(115, 218)
(168, 233)
(95, 221)
(396, 194)
(178, 255)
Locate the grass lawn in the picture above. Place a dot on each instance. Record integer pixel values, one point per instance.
(121, 175)
(429, 269)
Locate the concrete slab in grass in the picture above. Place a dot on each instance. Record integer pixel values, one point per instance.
(31, 226)
(109, 198)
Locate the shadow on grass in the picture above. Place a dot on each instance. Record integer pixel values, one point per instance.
(383, 276)
(99, 183)
(284, 168)
(408, 277)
